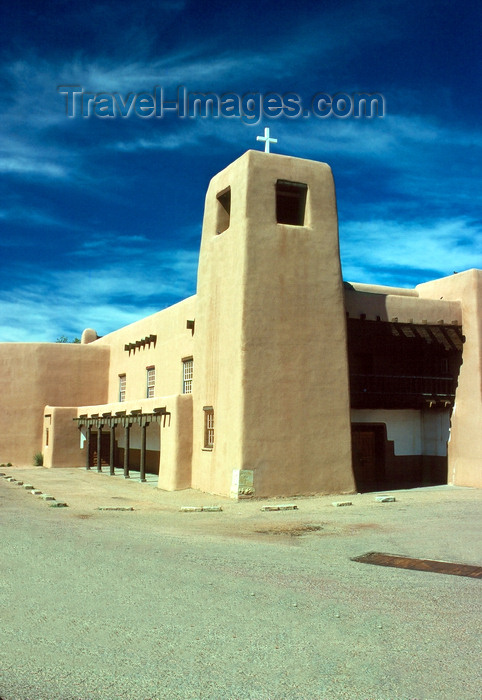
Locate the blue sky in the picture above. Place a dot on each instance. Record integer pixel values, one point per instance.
(101, 217)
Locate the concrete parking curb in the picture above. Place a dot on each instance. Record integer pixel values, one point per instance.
(36, 492)
(200, 509)
(121, 508)
(287, 506)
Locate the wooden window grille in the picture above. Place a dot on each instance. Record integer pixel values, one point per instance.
(151, 381)
(208, 427)
(187, 372)
(122, 387)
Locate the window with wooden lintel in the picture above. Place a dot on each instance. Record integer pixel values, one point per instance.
(290, 202)
(224, 210)
(208, 427)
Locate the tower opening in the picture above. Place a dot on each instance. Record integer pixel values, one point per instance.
(224, 210)
(290, 202)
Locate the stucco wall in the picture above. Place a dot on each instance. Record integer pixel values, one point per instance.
(271, 325)
(62, 446)
(406, 308)
(33, 375)
(176, 446)
(174, 341)
(465, 447)
(218, 339)
(296, 369)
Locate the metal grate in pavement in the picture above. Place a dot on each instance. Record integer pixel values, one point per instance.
(434, 566)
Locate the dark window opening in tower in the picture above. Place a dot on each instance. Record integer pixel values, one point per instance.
(224, 210)
(290, 202)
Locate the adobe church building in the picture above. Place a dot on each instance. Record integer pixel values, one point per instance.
(276, 378)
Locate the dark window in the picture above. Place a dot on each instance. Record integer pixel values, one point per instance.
(290, 202)
(224, 210)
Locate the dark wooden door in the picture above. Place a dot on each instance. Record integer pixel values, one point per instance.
(367, 456)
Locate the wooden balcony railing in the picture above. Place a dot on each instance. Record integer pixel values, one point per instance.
(392, 385)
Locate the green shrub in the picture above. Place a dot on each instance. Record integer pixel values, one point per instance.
(38, 459)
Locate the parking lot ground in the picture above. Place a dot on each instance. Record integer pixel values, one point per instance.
(153, 602)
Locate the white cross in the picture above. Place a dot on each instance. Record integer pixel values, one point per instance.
(267, 140)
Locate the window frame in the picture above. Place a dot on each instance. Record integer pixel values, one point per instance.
(122, 387)
(150, 381)
(208, 427)
(186, 380)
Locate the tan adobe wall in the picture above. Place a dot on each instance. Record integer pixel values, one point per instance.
(163, 341)
(33, 375)
(381, 289)
(404, 308)
(61, 438)
(173, 343)
(272, 336)
(465, 445)
(297, 375)
(176, 445)
(218, 335)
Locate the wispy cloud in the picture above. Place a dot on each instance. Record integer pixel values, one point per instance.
(371, 251)
(202, 65)
(65, 302)
(109, 243)
(31, 217)
(28, 166)
(393, 138)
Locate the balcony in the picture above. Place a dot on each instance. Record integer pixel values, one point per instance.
(392, 391)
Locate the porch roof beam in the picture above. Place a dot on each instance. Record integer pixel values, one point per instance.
(135, 417)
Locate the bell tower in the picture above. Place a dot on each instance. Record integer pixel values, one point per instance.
(271, 397)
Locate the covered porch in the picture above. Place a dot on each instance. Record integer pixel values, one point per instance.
(121, 439)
